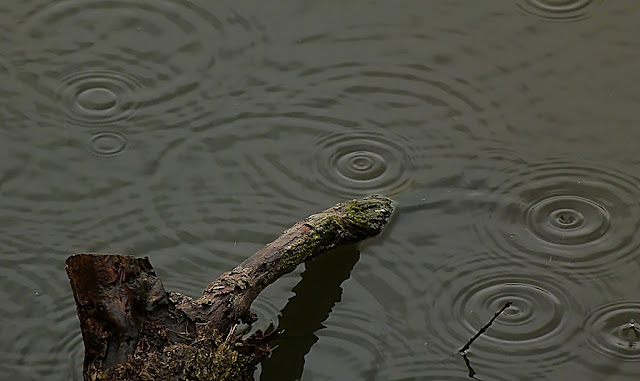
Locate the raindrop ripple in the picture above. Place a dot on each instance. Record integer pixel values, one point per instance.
(576, 217)
(558, 10)
(98, 96)
(614, 330)
(163, 82)
(107, 143)
(359, 163)
(540, 328)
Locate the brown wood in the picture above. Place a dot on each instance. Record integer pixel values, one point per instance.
(133, 329)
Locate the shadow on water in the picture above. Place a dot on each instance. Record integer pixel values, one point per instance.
(316, 294)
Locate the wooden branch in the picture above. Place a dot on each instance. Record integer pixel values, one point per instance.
(135, 330)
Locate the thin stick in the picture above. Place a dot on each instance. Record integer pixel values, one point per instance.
(482, 330)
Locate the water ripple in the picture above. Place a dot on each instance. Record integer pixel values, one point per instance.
(401, 91)
(107, 143)
(349, 339)
(565, 215)
(69, 345)
(568, 220)
(614, 331)
(360, 126)
(36, 288)
(559, 10)
(105, 63)
(431, 123)
(541, 329)
(414, 367)
(360, 163)
(98, 96)
(328, 159)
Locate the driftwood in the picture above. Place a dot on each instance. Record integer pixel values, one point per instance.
(133, 329)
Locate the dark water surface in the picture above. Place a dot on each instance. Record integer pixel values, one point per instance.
(194, 132)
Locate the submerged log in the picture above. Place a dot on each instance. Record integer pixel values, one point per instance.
(133, 329)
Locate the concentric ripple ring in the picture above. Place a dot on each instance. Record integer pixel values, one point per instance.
(98, 96)
(96, 58)
(615, 330)
(558, 10)
(540, 328)
(571, 216)
(568, 220)
(107, 143)
(364, 162)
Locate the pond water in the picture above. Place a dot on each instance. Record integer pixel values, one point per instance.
(194, 132)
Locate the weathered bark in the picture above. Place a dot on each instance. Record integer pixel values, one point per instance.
(135, 330)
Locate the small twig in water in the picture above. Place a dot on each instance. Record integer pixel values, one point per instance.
(482, 330)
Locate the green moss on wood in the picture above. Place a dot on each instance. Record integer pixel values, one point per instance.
(348, 222)
(369, 214)
(211, 357)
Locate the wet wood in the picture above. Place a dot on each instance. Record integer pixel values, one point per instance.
(133, 329)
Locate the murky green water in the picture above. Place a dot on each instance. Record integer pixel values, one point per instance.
(194, 132)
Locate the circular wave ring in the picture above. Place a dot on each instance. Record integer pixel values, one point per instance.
(568, 220)
(107, 143)
(99, 96)
(558, 10)
(66, 35)
(614, 330)
(574, 216)
(364, 162)
(536, 312)
(540, 328)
